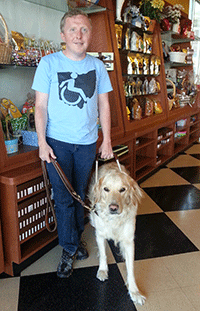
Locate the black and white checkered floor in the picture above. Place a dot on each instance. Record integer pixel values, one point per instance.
(167, 259)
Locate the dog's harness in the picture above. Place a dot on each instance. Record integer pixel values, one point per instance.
(98, 156)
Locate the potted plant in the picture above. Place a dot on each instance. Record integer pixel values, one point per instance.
(10, 142)
(152, 9)
(173, 14)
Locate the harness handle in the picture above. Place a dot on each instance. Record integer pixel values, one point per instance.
(98, 157)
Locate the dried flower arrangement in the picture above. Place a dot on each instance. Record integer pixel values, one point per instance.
(173, 13)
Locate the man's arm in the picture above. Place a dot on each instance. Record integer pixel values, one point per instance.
(41, 104)
(105, 121)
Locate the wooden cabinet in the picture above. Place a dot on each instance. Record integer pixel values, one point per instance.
(150, 149)
(23, 210)
(157, 145)
(132, 126)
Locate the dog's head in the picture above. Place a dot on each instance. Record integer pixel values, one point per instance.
(115, 192)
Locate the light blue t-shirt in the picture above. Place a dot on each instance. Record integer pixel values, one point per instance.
(73, 88)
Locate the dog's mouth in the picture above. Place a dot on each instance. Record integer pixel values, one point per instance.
(114, 209)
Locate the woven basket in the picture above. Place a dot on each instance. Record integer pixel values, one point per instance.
(171, 101)
(6, 47)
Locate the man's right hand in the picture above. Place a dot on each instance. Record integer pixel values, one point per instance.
(45, 152)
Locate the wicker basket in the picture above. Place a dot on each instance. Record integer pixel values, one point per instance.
(171, 101)
(6, 47)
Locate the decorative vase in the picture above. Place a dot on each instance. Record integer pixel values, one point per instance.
(11, 145)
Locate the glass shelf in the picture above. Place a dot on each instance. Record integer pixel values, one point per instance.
(62, 6)
(173, 65)
(5, 66)
(139, 75)
(125, 51)
(173, 37)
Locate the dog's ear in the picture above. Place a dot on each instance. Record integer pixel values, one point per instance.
(136, 192)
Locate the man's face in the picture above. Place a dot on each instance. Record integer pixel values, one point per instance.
(77, 35)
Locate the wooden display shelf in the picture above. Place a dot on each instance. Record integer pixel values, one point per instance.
(192, 139)
(179, 147)
(18, 175)
(138, 125)
(182, 113)
(162, 159)
(182, 128)
(163, 146)
(142, 161)
(17, 247)
(144, 171)
(195, 130)
(143, 142)
(29, 247)
(178, 140)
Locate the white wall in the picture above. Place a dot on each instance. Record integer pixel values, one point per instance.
(34, 20)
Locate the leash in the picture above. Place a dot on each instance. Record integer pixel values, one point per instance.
(69, 187)
(44, 172)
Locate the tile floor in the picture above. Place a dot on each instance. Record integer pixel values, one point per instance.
(167, 259)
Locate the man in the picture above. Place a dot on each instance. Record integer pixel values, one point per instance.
(71, 91)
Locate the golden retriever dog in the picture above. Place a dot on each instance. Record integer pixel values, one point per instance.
(115, 196)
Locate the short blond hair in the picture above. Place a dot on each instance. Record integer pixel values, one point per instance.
(71, 13)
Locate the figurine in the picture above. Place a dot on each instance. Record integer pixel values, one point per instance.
(127, 15)
(129, 67)
(138, 86)
(119, 5)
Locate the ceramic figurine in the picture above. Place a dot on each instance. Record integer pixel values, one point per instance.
(119, 4)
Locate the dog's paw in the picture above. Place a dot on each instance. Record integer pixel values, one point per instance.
(102, 275)
(137, 298)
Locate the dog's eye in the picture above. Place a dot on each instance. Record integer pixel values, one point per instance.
(106, 189)
(122, 190)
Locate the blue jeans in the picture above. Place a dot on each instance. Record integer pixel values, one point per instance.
(76, 162)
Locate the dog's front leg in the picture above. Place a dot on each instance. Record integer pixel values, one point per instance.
(129, 250)
(102, 273)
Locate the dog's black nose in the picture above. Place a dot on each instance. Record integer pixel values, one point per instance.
(114, 208)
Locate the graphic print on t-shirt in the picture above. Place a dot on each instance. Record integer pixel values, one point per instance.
(75, 89)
